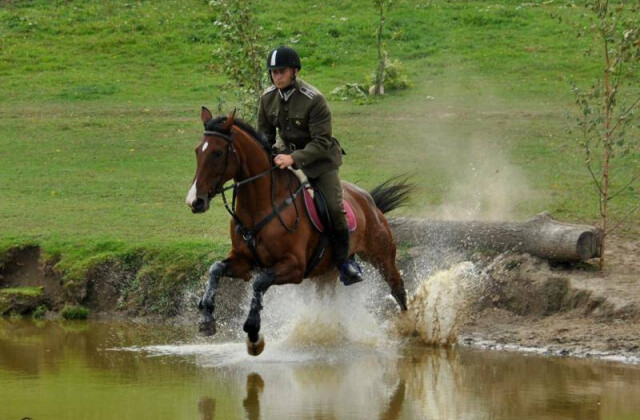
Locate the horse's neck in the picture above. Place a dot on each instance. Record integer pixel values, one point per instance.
(255, 197)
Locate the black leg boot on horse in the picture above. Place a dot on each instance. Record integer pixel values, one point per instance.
(206, 304)
(350, 271)
(255, 341)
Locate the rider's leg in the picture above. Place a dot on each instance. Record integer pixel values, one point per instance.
(329, 185)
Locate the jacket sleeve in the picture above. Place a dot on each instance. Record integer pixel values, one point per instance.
(320, 132)
(264, 126)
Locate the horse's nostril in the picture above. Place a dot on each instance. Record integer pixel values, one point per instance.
(198, 204)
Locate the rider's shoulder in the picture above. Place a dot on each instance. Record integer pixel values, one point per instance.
(309, 91)
(269, 90)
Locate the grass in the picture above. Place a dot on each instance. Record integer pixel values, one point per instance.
(99, 113)
(15, 300)
(22, 291)
(74, 312)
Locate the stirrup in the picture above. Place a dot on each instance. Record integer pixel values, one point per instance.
(350, 273)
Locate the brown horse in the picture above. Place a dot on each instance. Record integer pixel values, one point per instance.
(270, 234)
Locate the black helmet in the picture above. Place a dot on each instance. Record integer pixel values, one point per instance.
(283, 57)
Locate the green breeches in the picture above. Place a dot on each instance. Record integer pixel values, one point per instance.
(329, 184)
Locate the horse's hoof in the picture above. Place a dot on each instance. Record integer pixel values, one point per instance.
(257, 347)
(207, 326)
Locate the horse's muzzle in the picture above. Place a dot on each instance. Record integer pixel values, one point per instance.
(199, 205)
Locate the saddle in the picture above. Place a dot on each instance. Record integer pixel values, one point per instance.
(316, 208)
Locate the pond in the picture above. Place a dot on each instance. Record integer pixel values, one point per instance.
(111, 370)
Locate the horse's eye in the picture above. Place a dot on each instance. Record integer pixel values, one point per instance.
(217, 153)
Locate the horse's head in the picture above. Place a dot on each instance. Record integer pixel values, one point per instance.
(215, 159)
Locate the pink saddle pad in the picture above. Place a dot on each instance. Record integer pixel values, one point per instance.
(312, 211)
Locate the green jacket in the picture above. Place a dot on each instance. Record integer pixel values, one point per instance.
(303, 122)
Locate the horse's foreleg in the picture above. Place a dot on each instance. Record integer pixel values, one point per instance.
(206, 305)
(255, 343)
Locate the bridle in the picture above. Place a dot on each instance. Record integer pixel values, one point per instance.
(249, 235)
(231, 150)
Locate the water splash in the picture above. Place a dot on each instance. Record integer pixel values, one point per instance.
(332, 323)
(440, 304)
(303, 323)
(325, 317)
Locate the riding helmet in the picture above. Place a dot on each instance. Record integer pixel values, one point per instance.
(283, 57)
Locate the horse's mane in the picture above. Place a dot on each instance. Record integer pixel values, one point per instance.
(215, 124)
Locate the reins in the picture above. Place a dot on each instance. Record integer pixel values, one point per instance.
(249, 235)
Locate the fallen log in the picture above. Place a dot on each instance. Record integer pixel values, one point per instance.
(541, 236)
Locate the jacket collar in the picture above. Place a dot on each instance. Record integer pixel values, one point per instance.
(286, 94)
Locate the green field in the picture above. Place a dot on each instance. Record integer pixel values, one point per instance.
(99, 114)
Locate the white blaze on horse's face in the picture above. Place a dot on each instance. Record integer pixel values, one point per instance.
(204, 146)
(191, 195)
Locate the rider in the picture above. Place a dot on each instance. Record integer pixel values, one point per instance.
(302, 117)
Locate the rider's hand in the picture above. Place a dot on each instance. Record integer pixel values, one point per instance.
(283, 161)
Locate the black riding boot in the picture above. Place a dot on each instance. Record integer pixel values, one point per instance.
(350, 271)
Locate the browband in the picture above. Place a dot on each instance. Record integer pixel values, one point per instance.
(218, 134)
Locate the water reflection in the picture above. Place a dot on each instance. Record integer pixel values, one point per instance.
(207, 408)
(104, 371)
(255, 386)
(251, 403)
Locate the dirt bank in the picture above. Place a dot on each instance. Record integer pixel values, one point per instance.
(529, 305)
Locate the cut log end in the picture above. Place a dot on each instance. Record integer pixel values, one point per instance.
(589, 246)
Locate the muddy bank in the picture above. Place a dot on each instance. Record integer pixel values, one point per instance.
(519, 302)
(579, 311)
(136, 283)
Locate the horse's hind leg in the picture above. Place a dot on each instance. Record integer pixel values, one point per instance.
(382, 255)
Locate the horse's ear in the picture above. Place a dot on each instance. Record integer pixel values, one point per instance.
(229, 122)
(205, 115)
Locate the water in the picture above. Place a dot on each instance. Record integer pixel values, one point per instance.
(334, 353)
(91, 370)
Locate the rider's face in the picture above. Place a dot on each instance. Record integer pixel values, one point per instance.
(282, 78)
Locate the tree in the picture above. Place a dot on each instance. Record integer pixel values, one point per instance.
(241, 55)
(608, 108)
(382, 6)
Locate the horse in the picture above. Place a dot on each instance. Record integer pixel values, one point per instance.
(269, 237)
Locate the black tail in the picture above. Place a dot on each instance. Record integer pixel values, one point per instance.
(392, 193)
